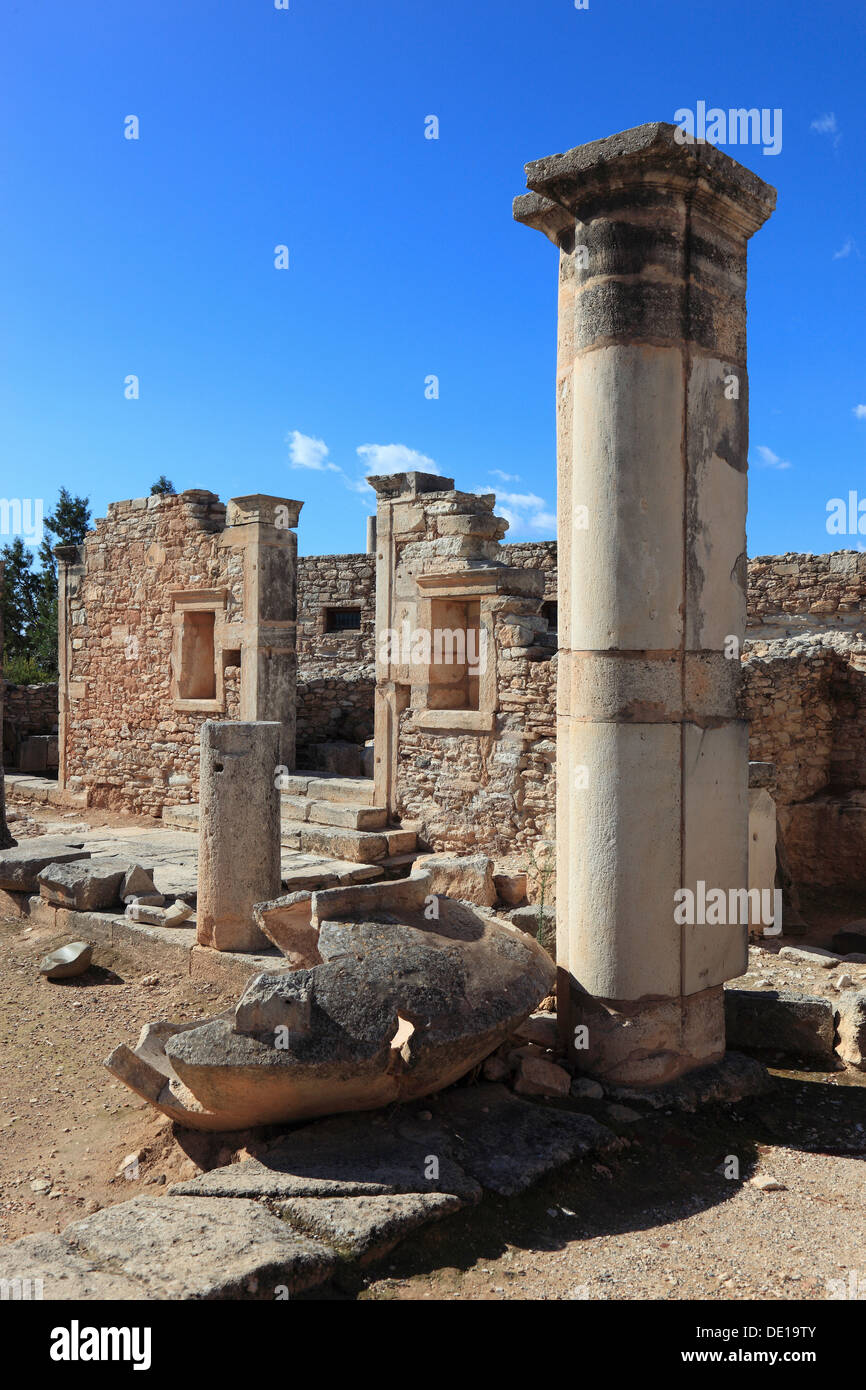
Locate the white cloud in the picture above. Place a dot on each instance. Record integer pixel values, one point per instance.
(860, 412)
(504, 477)
(844, 250)
(305, 451)
(395, 458)
(827, 125)
(524, 511)
(768, 459)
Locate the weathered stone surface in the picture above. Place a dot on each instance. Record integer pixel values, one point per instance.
(178, 913)
(146, 915)
(177, 1247)
(349, 1156)
(504, 1143)
(538, 1077)
(798, 1025)
(539, 1028)
(584, 1088)
(810, 955)
(731, 1079)
(365, 1228)
(21, 865)
(66, 1274)
(137, 883)
(468, 878)
(511, 888)
(67, 961)
(533, 919)
(396, 1011)
(851, 1026)
(287, 922)
(239, 831)
(87, 885)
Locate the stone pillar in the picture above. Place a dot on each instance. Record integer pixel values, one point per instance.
(262, 528)
(239, 832)
(371, 535)
(70, 572)
(6, 840)
(652, 437)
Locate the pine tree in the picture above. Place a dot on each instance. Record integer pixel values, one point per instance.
(163, 487)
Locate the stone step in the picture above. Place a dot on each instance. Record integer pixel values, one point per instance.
(318, 786)
(339, 813)
(181, 817)
(337, 842)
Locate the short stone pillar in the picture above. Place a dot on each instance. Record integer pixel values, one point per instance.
(239, 832)
(371, 535)
(652, 438)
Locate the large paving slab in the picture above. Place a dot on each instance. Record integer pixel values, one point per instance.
(366, 1228)
(504, 1143)
(64, 1273)
(348, 1156)
(181, 1248)
(20, 865)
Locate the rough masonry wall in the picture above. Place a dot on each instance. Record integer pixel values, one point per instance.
(792, 592)
(336, 670)
(537, 555)
(27, 709)
(125, 741)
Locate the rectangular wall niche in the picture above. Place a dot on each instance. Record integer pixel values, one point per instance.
(197, 674)
(455, 653)
(197, 677)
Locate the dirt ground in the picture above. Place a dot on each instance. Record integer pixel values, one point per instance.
(659, 1218)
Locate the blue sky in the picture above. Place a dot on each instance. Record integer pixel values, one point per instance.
(305, 127)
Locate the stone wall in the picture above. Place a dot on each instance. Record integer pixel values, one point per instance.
(174, 610)
(27, 709)
(790, 593)
(805, 699)
(336, 668)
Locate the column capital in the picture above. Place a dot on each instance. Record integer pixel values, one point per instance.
(648, 163)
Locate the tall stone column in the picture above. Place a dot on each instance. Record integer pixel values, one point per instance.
(652, 439)
(239, 832)
(6, 840)
(262, 529)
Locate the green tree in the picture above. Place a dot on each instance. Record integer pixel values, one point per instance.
(68, 524)
(163, 487)
(20, 599)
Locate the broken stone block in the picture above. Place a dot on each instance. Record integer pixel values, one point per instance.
(533, 919)
(539, 1028)
(270, 1002)
(86, 885)
(810, 955)
(585, 1088)
(468, 879)
(851, 1027)
(538, 1077)
(145, 916)
(137, 883)
(287, 922)
(67, 961)
(21, 865)
(510, 888)
(405, 1007)
(798, 1025)
(178, 913)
